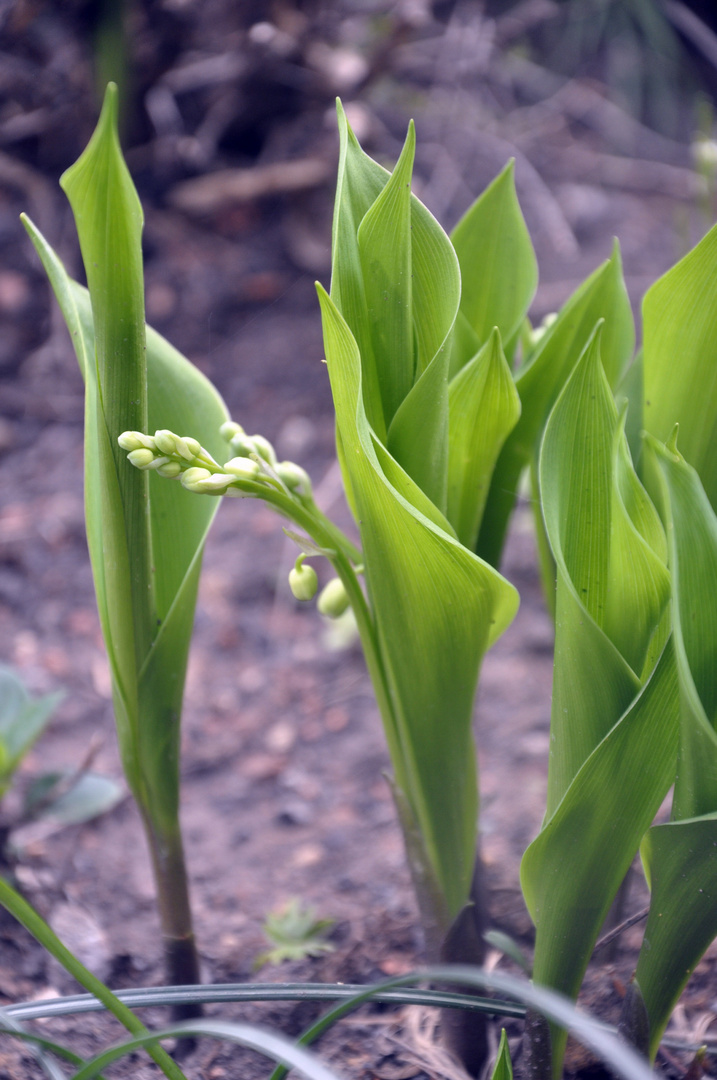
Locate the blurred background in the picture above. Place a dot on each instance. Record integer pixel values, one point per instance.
(228, 118)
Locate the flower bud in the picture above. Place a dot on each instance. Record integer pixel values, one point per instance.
(141, 458)
(293, 476)
(135, 440)
(229, 429)
(242, 468)
(170, 470)
(215, 484)
(190, 477)
(242, 445)
(165, 441)
(264, 449)
(186, 447)
(333, 600)
(303, 581)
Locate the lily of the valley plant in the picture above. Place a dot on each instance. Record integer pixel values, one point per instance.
(444, 395)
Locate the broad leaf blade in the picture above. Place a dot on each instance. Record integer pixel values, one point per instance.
(183, 400)
(572, 871)
(613, 744)
(681, 857)
(483, 409)
(431, 598)
(680, 358)
(109, 225)
(368, 197)
(602, 296)
(499, 272)
(384, 243)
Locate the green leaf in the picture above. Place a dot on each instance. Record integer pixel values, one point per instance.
(384, 243)
(22, 720)
(484, 408)
(432, 601)
(680, 358)
(503, 1068)
(681, 857)
(90, 796)
(147, 690)
(271, 1045)
(602, 296)
(21, 910)
(395, 279)
(499, 272)
(614, 722)
(622, 1059)
(295, 933)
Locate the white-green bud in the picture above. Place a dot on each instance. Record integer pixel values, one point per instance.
(242, 445)
(215, 484)
(187, 447)
(242, 468)
(158, 463)
(303, 581)
(191, 477)
(141, 458)
(165, 441)
(135, 440)
(333, 600)
(293, 476)
(171, 470)
(229, 429)
(264, 449)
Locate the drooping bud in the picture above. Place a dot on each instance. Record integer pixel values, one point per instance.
(303, 581)
(242, 468)
(293, 476)
(135, 440)
(141, 458)
(333, 599)
(229, 429)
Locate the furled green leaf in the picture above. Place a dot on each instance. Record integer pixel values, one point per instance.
(483, 409)
(681, 857)
(395, 279)
(147, 647)
(680, 358)
(437, 608)
(22, 720)
(601, 296)
(384, 243)
(614, 722)
(503, 1068)
(499, 272)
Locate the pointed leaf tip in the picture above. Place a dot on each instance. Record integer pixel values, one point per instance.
(671, 443)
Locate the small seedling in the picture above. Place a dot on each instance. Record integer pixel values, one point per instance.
(295, 932)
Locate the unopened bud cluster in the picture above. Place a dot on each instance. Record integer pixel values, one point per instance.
(184, 458)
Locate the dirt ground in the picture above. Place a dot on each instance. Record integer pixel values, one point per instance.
(283, 756)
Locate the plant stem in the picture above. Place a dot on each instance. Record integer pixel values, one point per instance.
(466, 1033)
(181, 961)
